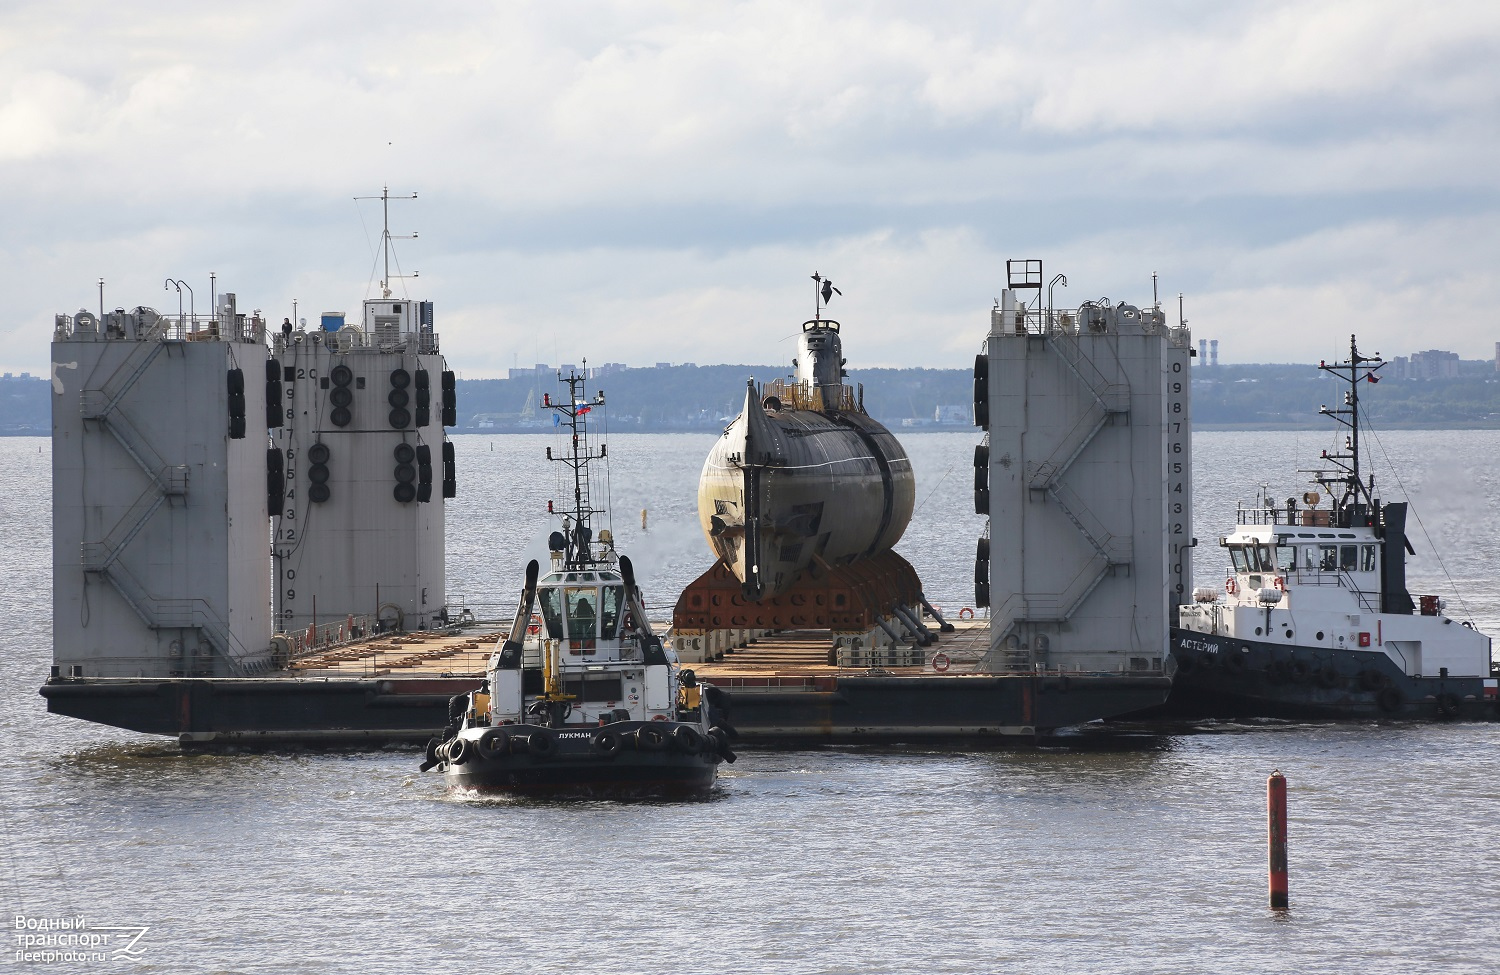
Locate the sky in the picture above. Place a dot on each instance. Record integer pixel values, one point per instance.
(647, 182)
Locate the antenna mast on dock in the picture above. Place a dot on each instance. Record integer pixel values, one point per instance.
(385, 199)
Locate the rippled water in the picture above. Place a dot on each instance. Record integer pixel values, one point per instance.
(1119, 850)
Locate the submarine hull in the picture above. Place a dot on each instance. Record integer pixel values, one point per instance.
(784, 486)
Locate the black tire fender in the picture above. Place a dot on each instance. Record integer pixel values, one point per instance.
(687, 739)
(493, 744)
(608, 744)
(650, 739)
(541, 743)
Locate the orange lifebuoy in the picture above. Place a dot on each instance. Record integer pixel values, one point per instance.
(535, 626)
(1279, 583)
(1230, 586)
(966, 613)
(940, 662)
(659, 717)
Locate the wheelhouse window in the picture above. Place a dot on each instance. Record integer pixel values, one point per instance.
(1328, 558)
(552, 612)
(1286, 558)
(1367, 558)
(1238, 555)
(1310, 558)
(1263, 553)
(583, 616)
(611, 597)
(1349, 558)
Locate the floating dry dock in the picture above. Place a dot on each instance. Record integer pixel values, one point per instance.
(782, 689)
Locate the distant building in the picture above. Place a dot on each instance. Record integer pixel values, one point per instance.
(1497, 356)
(1432, 364)
(540, 369)
(960, 414)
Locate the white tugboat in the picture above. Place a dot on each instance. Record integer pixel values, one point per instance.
(1315, 620)
(581, 697)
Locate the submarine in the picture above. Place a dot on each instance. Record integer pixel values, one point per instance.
(803, 477)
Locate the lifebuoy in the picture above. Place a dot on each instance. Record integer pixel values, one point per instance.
(535, 626)
(1230, 586)
(966, 613)
(1279, 582)
(940, 662)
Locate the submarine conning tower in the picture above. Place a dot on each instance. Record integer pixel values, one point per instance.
(801, 500)
(1085, 473)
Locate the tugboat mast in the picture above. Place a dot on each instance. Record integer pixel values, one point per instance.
(1355, 491)
(578, 538)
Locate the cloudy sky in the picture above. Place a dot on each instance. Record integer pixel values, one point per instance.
(655, 181)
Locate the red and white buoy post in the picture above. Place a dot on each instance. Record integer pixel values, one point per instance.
(1276, 821)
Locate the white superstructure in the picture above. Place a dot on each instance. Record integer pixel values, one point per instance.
(1299, 579)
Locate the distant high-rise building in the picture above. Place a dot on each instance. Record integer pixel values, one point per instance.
(1213, 352)
(1434, 364)
(1497, 356)
(1203, 352)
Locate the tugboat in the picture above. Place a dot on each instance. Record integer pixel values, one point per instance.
(1315, 620)
(581, 697)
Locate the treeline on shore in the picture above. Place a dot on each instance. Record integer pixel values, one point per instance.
(692, 397)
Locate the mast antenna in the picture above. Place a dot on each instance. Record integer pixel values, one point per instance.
(1359, 368)
(386, 236)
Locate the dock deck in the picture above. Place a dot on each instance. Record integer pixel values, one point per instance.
(790, 653)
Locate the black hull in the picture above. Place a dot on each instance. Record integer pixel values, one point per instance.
(215, 713)
(573, 765)
(1220, 677)
(621, 778)
(894, 709)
